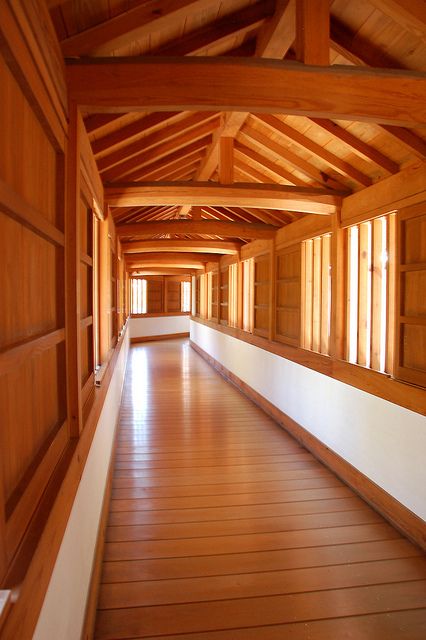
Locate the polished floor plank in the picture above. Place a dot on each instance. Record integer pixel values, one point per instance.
(406, 625)
(258, 561)
(247, 612)
(222, 527)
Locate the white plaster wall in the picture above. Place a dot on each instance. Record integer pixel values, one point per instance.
(384, 441)
(158, 326)
(63, 610)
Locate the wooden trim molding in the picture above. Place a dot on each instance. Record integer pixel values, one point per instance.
(378, 384)
(165, 336)
(407, 522)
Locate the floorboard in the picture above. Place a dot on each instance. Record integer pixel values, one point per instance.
(222, 527)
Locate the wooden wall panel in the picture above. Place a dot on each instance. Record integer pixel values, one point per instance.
(410, 346)
(155, 296)
(288, 286)
(173, 296)
(28, 161)
(31, 284)
(27, 424)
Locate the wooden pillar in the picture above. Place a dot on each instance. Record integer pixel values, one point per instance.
(272, 294)
(72, 274)
(226, 160)
(338, 307)
(313, 31)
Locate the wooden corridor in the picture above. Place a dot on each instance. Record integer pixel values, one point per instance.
(222, 527)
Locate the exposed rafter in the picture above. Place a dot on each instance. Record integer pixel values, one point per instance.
(142, 20)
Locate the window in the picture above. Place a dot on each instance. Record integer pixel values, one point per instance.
(248, 286)
(316, 294)
(367, 293)
(138, 295)
(185, 297)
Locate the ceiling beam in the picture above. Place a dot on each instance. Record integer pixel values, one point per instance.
(220, 31)
(358, 145)
(131, 130)
(408, 14)
(303, 141)
(143, 20)
(284, 154)
(119, 156)
(273, 41)
(301, 199)
(271, 86)
(162, 271)
(278, 33)
(169, 152)
(195, 246)
(203, 227)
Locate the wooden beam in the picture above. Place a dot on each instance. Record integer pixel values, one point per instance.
(302, 199)
(273, 167)
(273, 41)
(131, 130)
(198, 227)
(179, 259)
(402, 189)
(313, 31)
(284, 154)
(142, 20)
(168, 152)
(408, 14)
(263, 85)
(278, 33)
(163, 271)
(341, 166)
(237, 23)
(121, 155)
(226, 160)
(195, 246)
(362, 147)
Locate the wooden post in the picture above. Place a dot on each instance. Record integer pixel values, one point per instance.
(72, 275)
(338, 297)
(313, 31)
(226, 160)
(272, 290)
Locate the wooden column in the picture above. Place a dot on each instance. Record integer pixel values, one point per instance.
(272, 293)
(338, 307)
(226, 160)
(313, 31)
(72, 274)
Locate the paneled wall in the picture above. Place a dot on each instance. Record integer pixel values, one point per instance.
(33, 403)
(62, 310)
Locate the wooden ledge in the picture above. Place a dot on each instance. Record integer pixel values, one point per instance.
(373, 382)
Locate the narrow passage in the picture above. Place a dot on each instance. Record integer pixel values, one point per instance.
(222, 527)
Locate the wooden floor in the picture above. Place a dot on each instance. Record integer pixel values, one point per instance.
(223, 528)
